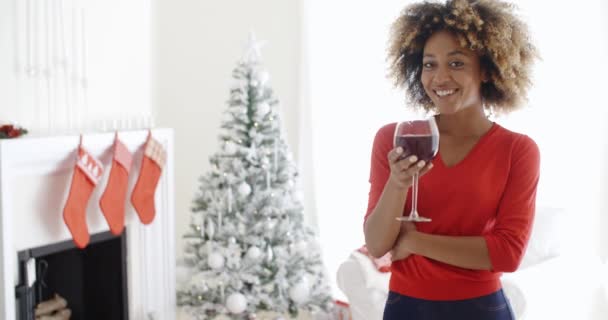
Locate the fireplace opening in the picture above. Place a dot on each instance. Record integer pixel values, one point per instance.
(61, 280)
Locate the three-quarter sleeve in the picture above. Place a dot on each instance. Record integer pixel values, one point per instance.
(507, 240)
(379, 167)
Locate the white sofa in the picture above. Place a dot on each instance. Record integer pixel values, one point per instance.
(551, 283)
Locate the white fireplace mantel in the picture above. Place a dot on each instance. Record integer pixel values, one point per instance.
(35, 177)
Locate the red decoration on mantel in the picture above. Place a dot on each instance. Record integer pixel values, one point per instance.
(151, 168)
(8, 131)
(113, 200)
(87, 173)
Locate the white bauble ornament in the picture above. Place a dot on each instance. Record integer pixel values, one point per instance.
(254, 253)
(215, 260)
(229, 147)
(299, 293)
(244, 189)
(263, 108)
(236, 303)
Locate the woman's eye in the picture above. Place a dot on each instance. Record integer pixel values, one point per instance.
(427, 65)
(456, 64)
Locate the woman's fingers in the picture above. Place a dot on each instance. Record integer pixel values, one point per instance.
(403, 169)
(394, 155)
(413, 168)
(426, 169)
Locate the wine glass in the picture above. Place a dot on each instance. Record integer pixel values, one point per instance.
(419, 138)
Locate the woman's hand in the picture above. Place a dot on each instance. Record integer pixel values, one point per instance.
(400, 250)
(402, 170)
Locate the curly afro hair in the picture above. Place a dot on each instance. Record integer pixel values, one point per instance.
(488, 27)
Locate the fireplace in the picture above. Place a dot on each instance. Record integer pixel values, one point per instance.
(93, 281)
(35, 175)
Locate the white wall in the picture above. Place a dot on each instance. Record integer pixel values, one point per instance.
(90, 61)
(197, 45)
(604, 174)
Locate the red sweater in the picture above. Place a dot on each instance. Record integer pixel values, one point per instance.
(491, 193)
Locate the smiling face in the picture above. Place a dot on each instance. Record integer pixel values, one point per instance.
(451, 75)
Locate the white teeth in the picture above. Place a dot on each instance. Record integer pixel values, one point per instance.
(443, 93)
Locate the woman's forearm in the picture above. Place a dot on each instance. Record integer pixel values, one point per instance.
(381, 229)
(464, 252)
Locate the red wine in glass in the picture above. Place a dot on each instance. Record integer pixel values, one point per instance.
(419, 138)
(422, 146)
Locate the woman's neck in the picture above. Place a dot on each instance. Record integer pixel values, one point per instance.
(470, 122)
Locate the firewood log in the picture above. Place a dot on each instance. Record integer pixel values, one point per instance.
(64, 314)
(50, 306)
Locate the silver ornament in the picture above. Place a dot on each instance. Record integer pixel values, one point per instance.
(236, 303)
(299, 293)
(253, 253)
(244, 189)
(215, 261)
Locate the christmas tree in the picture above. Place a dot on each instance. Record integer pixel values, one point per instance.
(248, 249)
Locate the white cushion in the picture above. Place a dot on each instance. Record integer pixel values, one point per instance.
(371, 276)
(547, 239)
(364, 286)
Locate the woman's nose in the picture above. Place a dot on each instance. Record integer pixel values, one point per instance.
(442, 75)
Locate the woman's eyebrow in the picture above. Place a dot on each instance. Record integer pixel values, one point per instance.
(452, 53)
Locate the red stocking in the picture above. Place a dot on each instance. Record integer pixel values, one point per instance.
(151, 169)
(87, 173)
(112, 201)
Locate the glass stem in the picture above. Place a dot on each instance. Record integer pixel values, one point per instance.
(414, 213)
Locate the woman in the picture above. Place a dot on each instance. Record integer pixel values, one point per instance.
(459, 60)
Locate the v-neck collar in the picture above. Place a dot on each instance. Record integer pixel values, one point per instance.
(471, 153)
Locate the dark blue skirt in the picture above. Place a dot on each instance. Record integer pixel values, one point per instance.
(491, 307)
